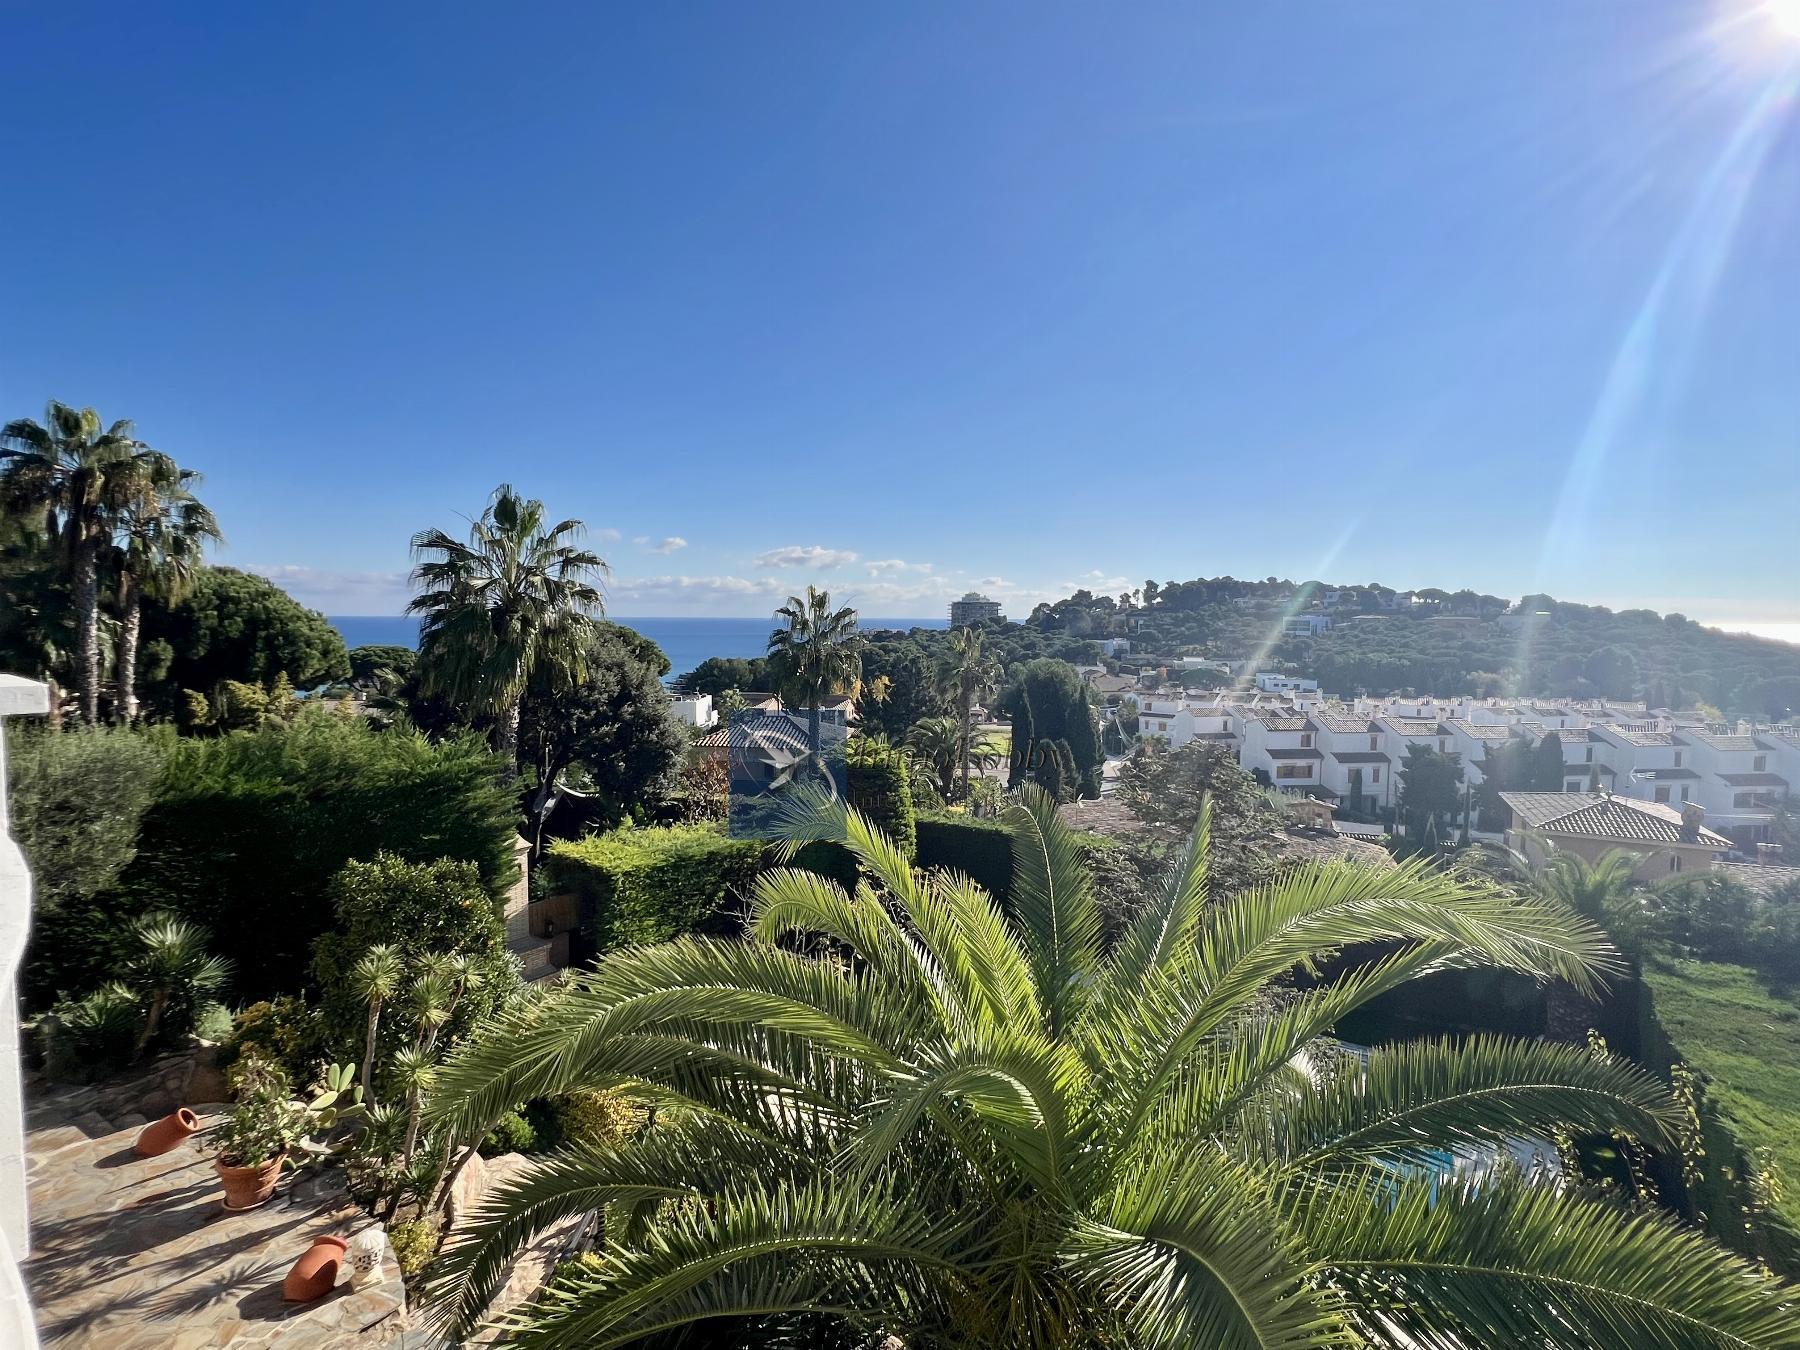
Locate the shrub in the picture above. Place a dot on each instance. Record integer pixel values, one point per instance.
(589, 1119)
(213, 1022)
(981, 848)
(649, 885)
(876, 777)
(513, 1134)
(78, 800)
(414, 1242)
(250, 828)
(285, 1032)
(438, 907)
(88, 1037)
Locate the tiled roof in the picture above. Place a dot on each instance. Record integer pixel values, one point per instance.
(1632, 737)
(1360, 757)
(780, 732)
(1594, 815)
(1719, 742)
(1481, 731)
(1293, 754)
(1754, 779)
(1757, 876)
(1413, 726)
(1342, 724)
(1274, 723)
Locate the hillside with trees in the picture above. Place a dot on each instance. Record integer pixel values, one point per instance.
(1441, 642)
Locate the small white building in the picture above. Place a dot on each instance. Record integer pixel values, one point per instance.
(694, 710)
(1270, 683)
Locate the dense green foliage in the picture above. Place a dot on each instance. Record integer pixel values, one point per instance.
(249, 829)
(419, 910)
(1448, 643)
(611, 724)
(1165, 790)
(900, 688)
(233, 625)
(650, 885)
(980, 849)
(1052, 713)
(716, 674)
(1003, 1133)
(77, 800)
(1430, 791)
(373, 663)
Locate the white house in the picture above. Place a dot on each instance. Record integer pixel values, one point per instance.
(1271, 683)
(695, 710)
(1306, 625)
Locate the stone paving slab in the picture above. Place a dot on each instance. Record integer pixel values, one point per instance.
(134, 1253)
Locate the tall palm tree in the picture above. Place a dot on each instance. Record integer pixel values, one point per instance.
(961, 1125)
(376, 979)
(79, 474)
(814, 654)
(161, 539)
(969, 670)
(517, 597)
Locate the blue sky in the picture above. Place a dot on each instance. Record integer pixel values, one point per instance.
(909, 298)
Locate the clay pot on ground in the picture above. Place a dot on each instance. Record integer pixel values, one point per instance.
(248, 1187)
(315, 1274)
(159, 1136)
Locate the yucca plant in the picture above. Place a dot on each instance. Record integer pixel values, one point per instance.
(376, 978)
(961, 1125)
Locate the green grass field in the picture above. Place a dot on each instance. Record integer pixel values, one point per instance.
(1727, 1023)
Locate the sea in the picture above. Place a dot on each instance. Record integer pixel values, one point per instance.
(685, 641)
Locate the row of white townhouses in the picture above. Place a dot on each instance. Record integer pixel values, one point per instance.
(1298, 740)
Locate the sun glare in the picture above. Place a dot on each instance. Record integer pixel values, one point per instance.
(1785, 15)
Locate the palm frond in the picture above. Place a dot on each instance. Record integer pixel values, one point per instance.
(1052, 905)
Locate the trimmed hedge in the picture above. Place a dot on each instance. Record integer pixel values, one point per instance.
(650, 885)
(248, 831)
(981, 848)
(879, 788)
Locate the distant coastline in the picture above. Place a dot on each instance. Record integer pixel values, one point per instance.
(685, 641)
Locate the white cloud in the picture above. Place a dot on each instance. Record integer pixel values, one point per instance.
(608, 536)
(889, 566)
(339, 592)
(796, 555)
(665, 545)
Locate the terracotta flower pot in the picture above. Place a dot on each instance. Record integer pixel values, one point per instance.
(248, 1187)
(316, 1272)
(159, 1136)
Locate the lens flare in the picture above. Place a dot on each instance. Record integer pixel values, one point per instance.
(1785, 15)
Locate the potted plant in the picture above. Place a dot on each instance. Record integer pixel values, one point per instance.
(267, 1128)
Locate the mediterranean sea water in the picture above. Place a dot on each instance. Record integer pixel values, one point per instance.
(685, 641)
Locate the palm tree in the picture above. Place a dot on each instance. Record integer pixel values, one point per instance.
(162, 533)
(79, 474)
(814, 654)
(970, 670)
(173, 960)
(909, 1109)
(518, 597)
(939, 742)
(1593, 889)
(375, 977)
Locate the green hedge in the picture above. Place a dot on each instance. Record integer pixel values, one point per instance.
(249, 829)
(650, 885)
(982, 848)
(879, 788)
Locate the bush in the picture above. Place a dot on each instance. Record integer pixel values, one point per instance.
(415, 1242)
(513, 1134)
(583, 1118)
(649, 885)
(876, 778)
(438, 907)
(285, 1032)
(89, 1037)
(249, 829)
(214, 1022)
(981, 848)
(78, 800)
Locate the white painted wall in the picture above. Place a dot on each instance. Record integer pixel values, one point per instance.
(18, 697)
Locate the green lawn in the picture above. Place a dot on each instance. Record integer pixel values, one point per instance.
(1725, 1022)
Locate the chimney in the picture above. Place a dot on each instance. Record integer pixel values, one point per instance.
(1693, 816)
